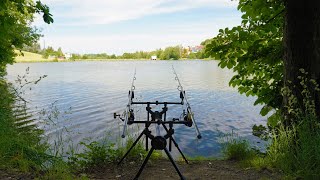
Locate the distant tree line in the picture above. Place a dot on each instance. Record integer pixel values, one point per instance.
(46, 52)
(169, 53)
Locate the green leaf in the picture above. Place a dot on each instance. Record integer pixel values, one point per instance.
(265, 110)
(273, 120)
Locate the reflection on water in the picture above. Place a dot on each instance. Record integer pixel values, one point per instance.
(95, 90)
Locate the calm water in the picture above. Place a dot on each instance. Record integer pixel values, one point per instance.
(90, 92)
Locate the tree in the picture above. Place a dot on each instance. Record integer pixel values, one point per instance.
(302, 47)
(113, 56)
(59, 52)
(49, 51)
(171, 53)
(254, 50)
(15, 32)
(34, 47)
(276, 41)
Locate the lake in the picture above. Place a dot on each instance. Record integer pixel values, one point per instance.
(81, 97)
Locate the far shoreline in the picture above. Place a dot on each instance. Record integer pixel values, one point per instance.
(106, 60)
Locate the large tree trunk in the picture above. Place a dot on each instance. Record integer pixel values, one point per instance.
(302, 45)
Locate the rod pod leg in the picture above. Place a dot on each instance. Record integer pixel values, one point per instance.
(176, 144)
(142, 133)
(174, 164)
(143, 164)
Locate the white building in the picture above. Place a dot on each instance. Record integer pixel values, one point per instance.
(67, 55)
(153, 57)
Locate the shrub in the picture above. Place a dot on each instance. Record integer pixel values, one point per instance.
(95, 154)
(295, 147)
(236, 148)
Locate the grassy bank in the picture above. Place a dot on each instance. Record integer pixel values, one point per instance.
(295, 152)
(20, 146)
(30, 57)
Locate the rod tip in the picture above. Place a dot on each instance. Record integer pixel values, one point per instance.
(199, 136)
(123, 136)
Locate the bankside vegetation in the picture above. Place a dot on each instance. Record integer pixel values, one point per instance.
(275, 54)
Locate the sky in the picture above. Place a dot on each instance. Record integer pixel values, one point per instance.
(118, 26)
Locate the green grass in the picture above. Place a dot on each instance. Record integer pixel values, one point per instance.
(295, 147)
(30, 57)
(296, 151)
(294, 142)
(19, 147)
(199, 158)
(238, 149)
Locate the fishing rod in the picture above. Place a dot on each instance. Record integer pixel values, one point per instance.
(159, 118)
(129, 115)
(183, 96)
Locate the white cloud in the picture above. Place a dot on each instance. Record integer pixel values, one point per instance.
(129, 42)
(86, 12)
(74, 17)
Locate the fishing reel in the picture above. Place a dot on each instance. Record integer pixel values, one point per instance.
(130, 115)
(188, 119)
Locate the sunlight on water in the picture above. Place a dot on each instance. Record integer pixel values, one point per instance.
(95, 90)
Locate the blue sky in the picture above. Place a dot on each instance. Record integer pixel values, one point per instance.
(117, 26)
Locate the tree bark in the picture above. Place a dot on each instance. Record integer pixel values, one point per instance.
(302, 45)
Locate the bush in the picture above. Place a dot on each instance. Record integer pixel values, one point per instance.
(20, 148)
(236, 148)
(296, 151)
(95, 154)
(295, 147)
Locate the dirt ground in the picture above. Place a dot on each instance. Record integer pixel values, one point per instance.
(5, 175)
(163, 170)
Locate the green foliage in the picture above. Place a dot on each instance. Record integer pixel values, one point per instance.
(254, 51)
(59, 169)
(59, 52)
(49, 51)
(21, 144)
(15, 31)
(171, 53)
(34, 48)
(19, 147)
(197, 55)
(295, 147)
(138, 153)
(260, 131)
(95, 154)
(135, 55)
(235, 148)
(239, 149)
(296, 150)
(101, 153)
